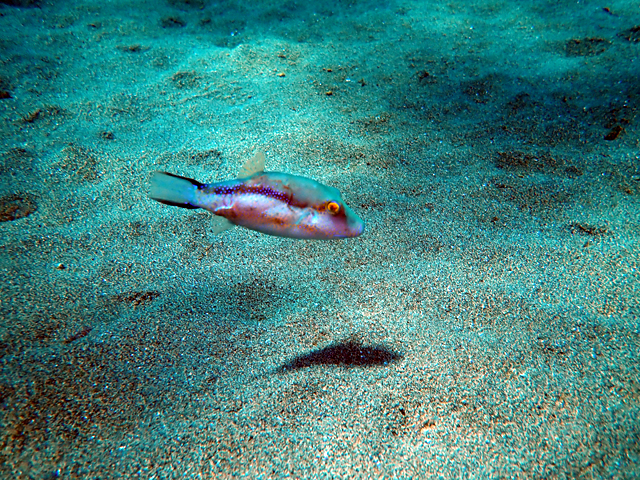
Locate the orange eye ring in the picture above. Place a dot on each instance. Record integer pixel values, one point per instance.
(333, 207)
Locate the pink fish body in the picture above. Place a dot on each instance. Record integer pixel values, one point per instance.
(274, 203)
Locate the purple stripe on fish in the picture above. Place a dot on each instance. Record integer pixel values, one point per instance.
(253, 189)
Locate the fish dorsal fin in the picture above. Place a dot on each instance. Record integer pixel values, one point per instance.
(252, 166)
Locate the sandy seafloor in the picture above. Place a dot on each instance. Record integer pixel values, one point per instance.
(486, 325)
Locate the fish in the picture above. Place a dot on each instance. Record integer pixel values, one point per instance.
(274, 203)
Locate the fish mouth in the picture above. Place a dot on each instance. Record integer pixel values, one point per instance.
(353, 232)
(359, 228)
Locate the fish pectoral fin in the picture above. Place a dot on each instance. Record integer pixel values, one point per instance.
(252, 166)
(303, 217)
(221, 224)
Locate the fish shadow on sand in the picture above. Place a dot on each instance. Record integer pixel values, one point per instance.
(346, 354)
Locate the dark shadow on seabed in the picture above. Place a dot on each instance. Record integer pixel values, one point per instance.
(346, 354)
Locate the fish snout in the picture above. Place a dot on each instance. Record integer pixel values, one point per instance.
(356, 227)
(354, 224)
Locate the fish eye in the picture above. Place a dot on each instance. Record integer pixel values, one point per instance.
(333, 207)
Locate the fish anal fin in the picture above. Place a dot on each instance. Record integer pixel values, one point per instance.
(221, 224)
(252, 166)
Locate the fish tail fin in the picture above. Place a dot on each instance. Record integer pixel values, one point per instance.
(174, 190)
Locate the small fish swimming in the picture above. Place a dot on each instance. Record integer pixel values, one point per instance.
(274, 203)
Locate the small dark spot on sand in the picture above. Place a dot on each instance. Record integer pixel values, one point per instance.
(548, 348)
(135, 228)
(172, 22)
(185, 4)
(514, 160)
(4, 94)
(256, 297)
(425, 77)
(520, 102)
(586, 229)
(16, 160)
(77, 336)
(632, 34)
(480, 90)
(545, 200)
(202, 156)
(32, 116)
(427, 425)
(376, 123)
(41, 113)
(16, 206)
(6, 392)
(586, 47)
(573, 171)
(614, 133)
(136, 298)
(134, 48)
(107, 135)
(82, 162)
(185, 79)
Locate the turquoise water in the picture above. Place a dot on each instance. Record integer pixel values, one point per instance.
(485, 325)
